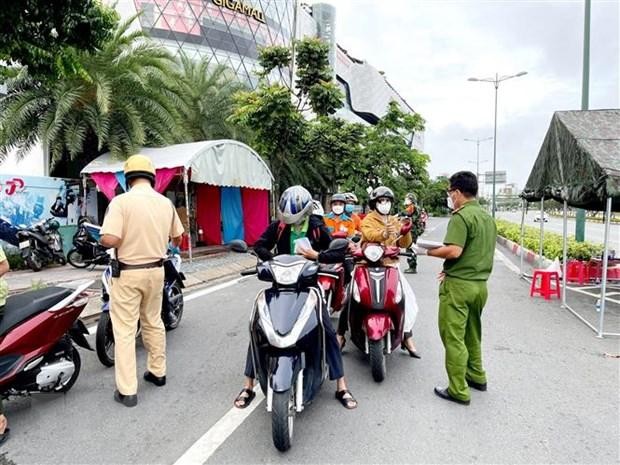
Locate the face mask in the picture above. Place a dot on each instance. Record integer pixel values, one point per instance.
(349, 208)
(384, 208)
(338, 209)
(450, 203)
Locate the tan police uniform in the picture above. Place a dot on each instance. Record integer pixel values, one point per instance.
(144, 220)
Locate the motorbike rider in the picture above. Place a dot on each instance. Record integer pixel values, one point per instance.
(413, 212)
(338, 221)
(382, 228)
(349, 208)
(4, 292)
(296, 221)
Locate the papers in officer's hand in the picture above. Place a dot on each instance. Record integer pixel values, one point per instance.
(428, 245)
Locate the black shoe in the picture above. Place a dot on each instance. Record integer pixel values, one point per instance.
(156, 380)
(127, 401)
(444, 394)
(478, 386)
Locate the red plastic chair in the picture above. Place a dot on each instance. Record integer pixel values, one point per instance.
(577, 271)
(544, 285)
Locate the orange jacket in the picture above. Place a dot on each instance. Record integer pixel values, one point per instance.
(340, 223)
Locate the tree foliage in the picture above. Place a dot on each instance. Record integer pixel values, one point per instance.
(125, 95)
(207, 91)
(46, 35)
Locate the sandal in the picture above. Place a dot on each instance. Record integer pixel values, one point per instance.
(245, 399)
(4, 436)
(347, 402)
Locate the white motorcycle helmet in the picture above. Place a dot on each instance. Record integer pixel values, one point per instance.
(295, 204)
(317, 208)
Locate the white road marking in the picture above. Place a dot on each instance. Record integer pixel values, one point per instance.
(506, 261)
(194, 295)
(209, 442)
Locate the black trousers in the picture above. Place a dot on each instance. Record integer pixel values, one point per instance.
(332, 352)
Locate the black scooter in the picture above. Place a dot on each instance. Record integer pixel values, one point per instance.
(288, 340)
(86, 249)
(41, 244)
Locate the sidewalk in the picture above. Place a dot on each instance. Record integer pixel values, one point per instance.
(201, 272)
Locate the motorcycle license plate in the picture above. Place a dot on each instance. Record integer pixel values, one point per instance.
(24, 244)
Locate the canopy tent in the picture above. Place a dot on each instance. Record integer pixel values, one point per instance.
(579, 166)
(225, 164)
(579, 160)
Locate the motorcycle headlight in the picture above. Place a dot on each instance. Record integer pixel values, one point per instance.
(373, 253)
(287, 275)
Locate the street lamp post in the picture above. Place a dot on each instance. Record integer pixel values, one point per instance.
(477, 141)
(496, 80)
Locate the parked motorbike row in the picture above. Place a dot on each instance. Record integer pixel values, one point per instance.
(287, 335)
(41, 245)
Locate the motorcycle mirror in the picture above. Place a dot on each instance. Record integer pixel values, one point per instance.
(356, 239)
(238, 246)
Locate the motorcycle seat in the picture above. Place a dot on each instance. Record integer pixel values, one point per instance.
(331, 270)
(23, 306)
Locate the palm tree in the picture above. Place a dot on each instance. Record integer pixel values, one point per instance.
(119, 98)
(207, 89)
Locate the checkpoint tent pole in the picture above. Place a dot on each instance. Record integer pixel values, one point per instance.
(84, 186)
(521, 238)
(605, 264)
(542, 230)
(185, 182)
(565, 253)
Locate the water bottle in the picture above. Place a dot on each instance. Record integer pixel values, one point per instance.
(598, 305)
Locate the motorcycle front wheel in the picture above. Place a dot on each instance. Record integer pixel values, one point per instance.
(76, 259)
(283, 419)
(377, 360)
(175, 298)
(104, 340)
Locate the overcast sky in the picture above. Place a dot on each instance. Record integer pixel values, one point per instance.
(428, 49)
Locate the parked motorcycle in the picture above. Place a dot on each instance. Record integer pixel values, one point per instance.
(37, 335)
(86, 249)
(171, 307)
(41, 244)
(376, 306)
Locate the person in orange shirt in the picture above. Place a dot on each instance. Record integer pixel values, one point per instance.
(349, 208)
(337, 221)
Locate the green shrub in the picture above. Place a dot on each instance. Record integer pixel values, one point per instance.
(16, 262)
(552, 244)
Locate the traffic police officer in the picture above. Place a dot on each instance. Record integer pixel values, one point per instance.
(468, 250)
(139, 225)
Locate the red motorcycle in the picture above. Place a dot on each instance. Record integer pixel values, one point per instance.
(376, 306)
(37, 332)
(332, 278)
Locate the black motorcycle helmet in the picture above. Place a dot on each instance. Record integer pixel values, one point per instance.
(378, 193)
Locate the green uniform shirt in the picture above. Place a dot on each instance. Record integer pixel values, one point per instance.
(298, 233)
(474, 230)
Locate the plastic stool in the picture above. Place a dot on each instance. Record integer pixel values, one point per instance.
(544, 288)
(577, 271)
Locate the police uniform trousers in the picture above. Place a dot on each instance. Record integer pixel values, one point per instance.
(460, 310)
(332, 352)
(137, 295)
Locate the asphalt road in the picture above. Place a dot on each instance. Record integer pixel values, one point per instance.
(595, 232)
(553, 396)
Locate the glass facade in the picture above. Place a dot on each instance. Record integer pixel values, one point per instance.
(228, 31)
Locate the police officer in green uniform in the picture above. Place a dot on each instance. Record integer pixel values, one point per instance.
(412, 211)
(468, 250)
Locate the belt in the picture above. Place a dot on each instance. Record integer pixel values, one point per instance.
(157, 264)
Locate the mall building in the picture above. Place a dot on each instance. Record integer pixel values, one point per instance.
(231, 32)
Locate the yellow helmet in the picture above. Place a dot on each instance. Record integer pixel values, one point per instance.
(139, 166)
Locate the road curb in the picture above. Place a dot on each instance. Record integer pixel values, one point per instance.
(530, 257)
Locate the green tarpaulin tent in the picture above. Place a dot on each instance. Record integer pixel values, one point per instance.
(579, 160)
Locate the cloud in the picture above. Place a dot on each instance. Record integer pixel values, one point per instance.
(429, 49)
